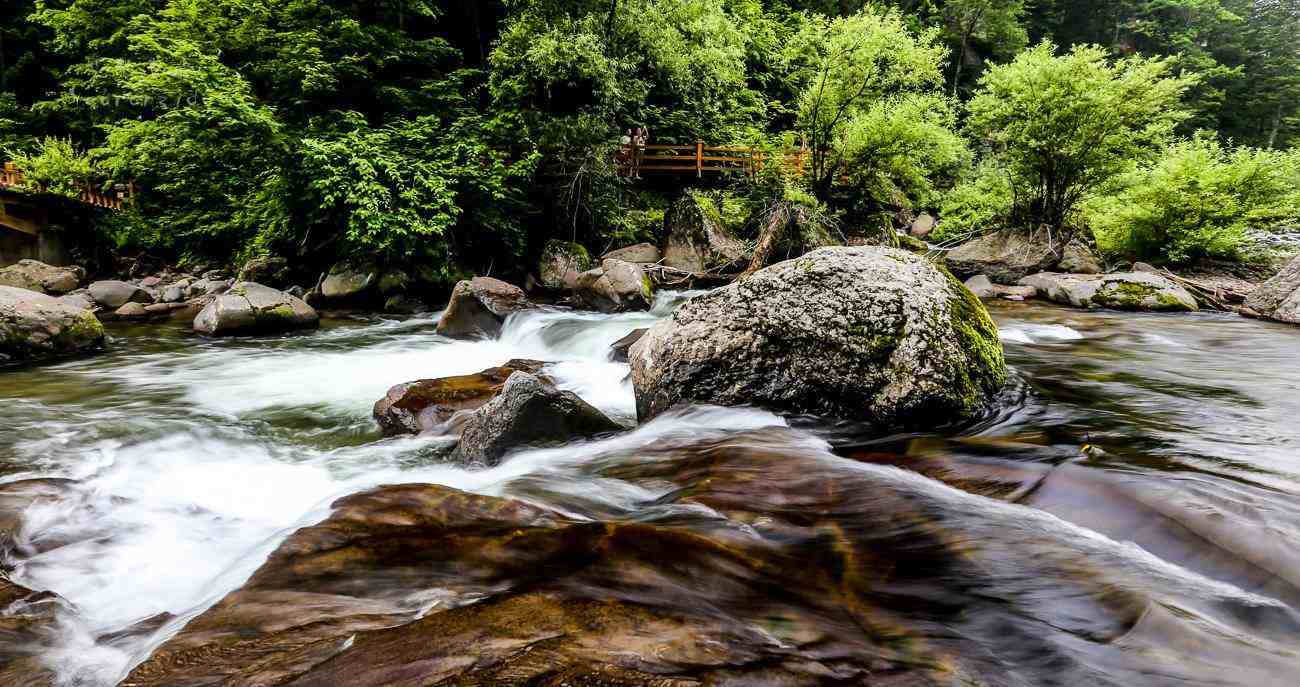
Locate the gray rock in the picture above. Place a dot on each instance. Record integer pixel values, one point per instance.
(252, 308)
(34, 275)
(615, 286)
(868, 333)
(619, 349)
(1005, 257)
(641, 253)
(528, 412)
(173, 294)
(1279, 297)
(479, 306)
(984, 288)
(696, 239)
(561, 263)
(35, 325)
(150, 282)
(1079, 259)
(115, 294)
(1138, 291)
(296, 291)
(922, 226)
(349, 281)
(161, 309)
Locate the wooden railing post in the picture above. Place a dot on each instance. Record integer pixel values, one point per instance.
(699, 158)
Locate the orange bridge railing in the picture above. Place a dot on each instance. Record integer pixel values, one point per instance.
(698, 159)
(12, 177)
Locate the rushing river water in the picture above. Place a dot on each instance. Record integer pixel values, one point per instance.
(1129, 514)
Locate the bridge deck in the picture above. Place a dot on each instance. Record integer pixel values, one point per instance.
(698, 159)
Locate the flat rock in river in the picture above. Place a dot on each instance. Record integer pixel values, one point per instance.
(867, 333)
(428, 404)
(1135, 291)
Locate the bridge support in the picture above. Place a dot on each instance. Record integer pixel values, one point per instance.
(25, 233)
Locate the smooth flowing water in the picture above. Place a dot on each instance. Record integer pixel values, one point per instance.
(1127, 515)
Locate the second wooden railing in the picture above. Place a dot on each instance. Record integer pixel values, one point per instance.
(698, 159)
(12, 177)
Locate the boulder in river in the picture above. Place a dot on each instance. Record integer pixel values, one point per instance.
(1135, 291)
(1005, 256)
(430, 404)
(641, 253)
(349, 281)
(35, 275)
(114, 294)
(561, 263)
(1079, 258)
(615, 286)
(983, 287)
(697, 240)
(1279, 297)
(479, 306)
(34, 325)
(868, 333)
(249, 308)
(529, 411)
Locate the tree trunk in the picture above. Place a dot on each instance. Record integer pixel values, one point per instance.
(1277, 124)
(778, 219)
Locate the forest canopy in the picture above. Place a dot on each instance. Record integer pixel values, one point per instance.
(459, 136)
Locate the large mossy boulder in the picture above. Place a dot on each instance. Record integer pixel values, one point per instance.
(1279, 297)
(615, 286)
(1005, 256)
(250, 308)
(561, 263)
(428, 405)
(35, 325)
(529, 411)
(1133, 291)
(869, 333)
(272, 271)
(697, 240)
(479, 306)
(34, 275)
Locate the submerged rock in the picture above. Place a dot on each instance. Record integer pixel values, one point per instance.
(529, 411)
(1137, 291)
(34, 326)
(561, 263)
(252, 308)
(1004, 256)
(696, 239)
(113, 294)
(35, 275)
(430, 404)
(478, 307)
(1279, 297)
(869, 333)
(615, 286)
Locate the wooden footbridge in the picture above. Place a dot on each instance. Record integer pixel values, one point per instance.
(25, 213)
(698, 160)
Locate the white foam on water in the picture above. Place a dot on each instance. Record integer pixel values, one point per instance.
(1026, 333)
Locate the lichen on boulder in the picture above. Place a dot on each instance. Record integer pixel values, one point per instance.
(1133, 291)
(561, 263)
(251, 308)
(34, 326)
(697, 239)
(869, 333)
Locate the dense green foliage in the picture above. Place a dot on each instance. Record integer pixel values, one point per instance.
(1196, 201)
(462, 136)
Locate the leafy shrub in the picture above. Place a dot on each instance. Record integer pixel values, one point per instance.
(1196, 201)
(980, 203)
(55, 166)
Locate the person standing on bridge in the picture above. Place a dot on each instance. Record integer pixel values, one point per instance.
(625, 154)
(639, 140)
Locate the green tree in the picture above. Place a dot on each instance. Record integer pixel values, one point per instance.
(1065, 125)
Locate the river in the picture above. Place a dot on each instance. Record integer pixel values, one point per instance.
(1147, 462)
